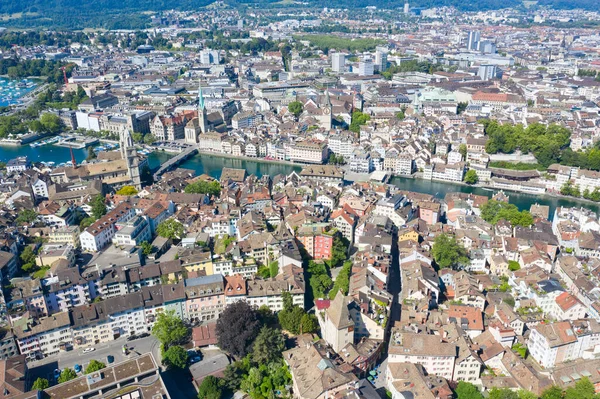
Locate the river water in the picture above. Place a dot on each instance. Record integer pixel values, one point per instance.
(213, 165)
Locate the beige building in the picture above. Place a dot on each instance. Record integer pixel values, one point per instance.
(337, 327)
(308, 152)
(67, 234)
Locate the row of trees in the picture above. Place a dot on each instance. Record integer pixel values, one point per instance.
(574, 191)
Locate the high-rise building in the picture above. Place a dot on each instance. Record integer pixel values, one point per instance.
(473, 40)
(381, 59)
(487, 47)
(406, 8)
(487, 72)
(338, 62)
(366, 67)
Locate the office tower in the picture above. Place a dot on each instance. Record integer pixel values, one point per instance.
(406, 8)
(366, 67)
(473, 40)
(487, 72)
(487, 47)
(338, 62)
(381, 59)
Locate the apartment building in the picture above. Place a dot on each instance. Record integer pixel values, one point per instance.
(308, 152)
(430, 351)
(101, 233)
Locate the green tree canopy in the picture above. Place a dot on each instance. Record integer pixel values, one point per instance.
(146, 247)
(447, 252)
(295, 107)
(204, 187)
(94, 365)
(211, 388)
(98, 205)
(176, 356)
(583, 389)
(127, 190)
(503, 393)
(169, 329)
(26, 216)
(492, 211)
(553, 392)
(466, 390)
(40, 384)
(471, 177)
(67, 375)
(268, 345)
(171, 229)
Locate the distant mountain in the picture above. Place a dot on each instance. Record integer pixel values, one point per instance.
(125, 14)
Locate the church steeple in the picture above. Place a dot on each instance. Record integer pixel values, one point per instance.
(202, 119)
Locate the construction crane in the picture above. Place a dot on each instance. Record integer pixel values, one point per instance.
(64, 69)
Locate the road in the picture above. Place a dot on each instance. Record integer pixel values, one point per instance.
(45, 368)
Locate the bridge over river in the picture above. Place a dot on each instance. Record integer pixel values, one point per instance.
(175, 161)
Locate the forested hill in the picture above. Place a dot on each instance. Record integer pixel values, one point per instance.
(126, 14)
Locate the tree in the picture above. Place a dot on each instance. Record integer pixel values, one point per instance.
(67, 375)
(492, 211)
(237, 327)
(26, 216)
(211, 388)
(91, 154)
(171, 229)
(583, 389)
(342, 281)
(400, 115)
(127, 190)
(169, 329)
(513, 266)
(523, 394)
(137, 137)
(86, 222)
(28, 256)
(268, 345)
(40, 384)
(462, 149)
(149, 139)
(471, 177)
(274, 269)
(466, 390)
(309, 323)
(553, 392)
(502, 393)
(339, 250)
(295, 107)
(175, 356)
(204, 187)
(98, 206)
(447, 252)
(51, 122)
(358, 119)
(146, 247)
(94, 365)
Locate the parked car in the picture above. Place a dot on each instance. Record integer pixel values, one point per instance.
(88, 350)
(132, 337)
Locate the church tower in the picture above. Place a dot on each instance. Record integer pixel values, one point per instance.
(202, 118)
(328, 112)
(129, 154)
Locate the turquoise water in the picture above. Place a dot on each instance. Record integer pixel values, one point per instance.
(12, 90)
(213, 166)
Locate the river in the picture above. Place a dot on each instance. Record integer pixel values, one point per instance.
(213, 165)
